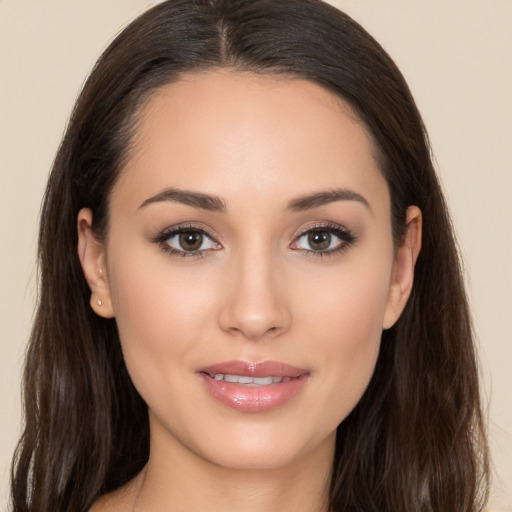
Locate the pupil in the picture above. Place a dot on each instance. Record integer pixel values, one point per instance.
(191, 241)
(319, 240)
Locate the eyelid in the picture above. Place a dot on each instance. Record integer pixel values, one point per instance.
(163, 236)
(345, 235)
(322, 225)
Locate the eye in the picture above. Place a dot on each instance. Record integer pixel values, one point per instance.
(323, 239)
(186, 241)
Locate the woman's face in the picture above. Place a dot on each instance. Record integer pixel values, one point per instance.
(250, 267)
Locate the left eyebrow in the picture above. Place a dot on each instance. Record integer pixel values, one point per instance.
(322, 198)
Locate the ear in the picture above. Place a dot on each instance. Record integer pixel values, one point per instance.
(403, 269)
(91, 253)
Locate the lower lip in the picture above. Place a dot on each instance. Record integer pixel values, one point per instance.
(253, 398)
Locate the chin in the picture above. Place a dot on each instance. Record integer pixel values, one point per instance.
(259, 449)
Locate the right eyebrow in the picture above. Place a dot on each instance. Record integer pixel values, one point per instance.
(188, 197)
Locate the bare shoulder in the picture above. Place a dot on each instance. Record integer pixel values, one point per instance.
(119, 500)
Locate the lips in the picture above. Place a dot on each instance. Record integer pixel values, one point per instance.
(253, 387)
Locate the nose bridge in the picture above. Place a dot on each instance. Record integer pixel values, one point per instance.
(254, 306)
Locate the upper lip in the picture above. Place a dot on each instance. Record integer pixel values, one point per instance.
(254, 369)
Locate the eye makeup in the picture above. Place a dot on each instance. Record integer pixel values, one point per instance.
(323, 239)
(319, 239)
(186, 240)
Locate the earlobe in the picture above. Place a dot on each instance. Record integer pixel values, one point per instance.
(91, 253)
(403, 270)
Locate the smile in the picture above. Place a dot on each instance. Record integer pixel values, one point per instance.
(253, 387)
(250, 381)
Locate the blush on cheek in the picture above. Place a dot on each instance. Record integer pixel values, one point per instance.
(160, 315)
(134, 291)
(354, 316)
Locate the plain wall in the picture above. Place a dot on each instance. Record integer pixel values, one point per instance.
(457, 58)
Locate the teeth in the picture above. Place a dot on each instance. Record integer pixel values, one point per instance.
(250, 381)
(263, 381)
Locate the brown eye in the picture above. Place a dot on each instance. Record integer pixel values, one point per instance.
(186, 241)
(190, 240)
(319, 240)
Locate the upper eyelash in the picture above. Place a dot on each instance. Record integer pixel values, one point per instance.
(167, 233)
(341, 232)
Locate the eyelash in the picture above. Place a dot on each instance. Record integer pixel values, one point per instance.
(346, 237)
(163, 237)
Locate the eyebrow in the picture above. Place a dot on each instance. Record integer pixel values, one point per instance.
(190, 198)
(322, 198)
(216, 204)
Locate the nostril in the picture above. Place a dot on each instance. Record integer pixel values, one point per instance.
(255, 332)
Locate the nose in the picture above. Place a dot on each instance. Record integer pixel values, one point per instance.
(254, 304)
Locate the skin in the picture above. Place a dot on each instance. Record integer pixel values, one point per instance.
(258, 292)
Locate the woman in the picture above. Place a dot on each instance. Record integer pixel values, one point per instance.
(266, 308)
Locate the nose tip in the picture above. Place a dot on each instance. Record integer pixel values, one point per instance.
(253, 326)
(254, 309)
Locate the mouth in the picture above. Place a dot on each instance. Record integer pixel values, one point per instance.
(245, 380)
(253, 387)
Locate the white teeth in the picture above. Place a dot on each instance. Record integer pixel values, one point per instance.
(263, 381)
(250, 381)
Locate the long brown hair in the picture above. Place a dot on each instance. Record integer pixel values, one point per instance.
(415, 442)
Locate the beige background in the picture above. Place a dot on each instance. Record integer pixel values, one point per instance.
(457, 57)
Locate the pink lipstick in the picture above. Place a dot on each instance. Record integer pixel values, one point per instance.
(253, 387)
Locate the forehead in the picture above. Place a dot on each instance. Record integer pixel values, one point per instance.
(229, 133)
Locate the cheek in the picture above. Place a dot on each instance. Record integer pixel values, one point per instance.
(347, 319)
(349, 303)
(156, 310)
